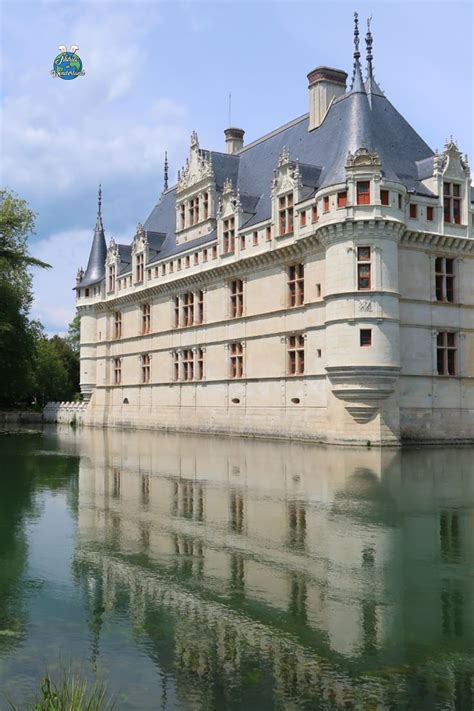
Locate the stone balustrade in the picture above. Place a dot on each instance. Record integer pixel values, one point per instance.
(69, 413)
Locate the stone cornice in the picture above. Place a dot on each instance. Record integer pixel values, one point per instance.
(364, 229)
(215, 274)
(457, 244)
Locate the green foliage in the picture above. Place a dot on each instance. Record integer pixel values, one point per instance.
(56, 371)
(71, 694)
(74, 334)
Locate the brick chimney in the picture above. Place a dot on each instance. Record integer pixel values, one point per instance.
(325, 84)
(234, 138)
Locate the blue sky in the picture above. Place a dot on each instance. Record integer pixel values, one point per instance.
(157, 70)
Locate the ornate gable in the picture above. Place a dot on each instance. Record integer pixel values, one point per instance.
(287, 177)
(198, 167)
(229, 202)
(140, 241)
(450, 163)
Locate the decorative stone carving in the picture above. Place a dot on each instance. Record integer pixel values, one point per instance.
(363, 158)
(362, 413)
(79, 275)
(360, 384)
(198, 166)
(366, 306)
(287, 177)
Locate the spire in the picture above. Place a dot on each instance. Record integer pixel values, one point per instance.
(356, 70)
(98, 225)
(165, 184)
(368, 44)
(96, 265)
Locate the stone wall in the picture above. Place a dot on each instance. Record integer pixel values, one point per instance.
(67, 413)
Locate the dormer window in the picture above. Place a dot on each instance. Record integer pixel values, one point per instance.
(206, 206)
(229, 235)
(452, 202)
(363, 192)
(285, 211)
(194, 211)
(111, 278)
(140, 267)
(182, 213)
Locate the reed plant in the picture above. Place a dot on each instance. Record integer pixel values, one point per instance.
(70, 693)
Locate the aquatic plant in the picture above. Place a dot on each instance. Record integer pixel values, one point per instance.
(71, 693)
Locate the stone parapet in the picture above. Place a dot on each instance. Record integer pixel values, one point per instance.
(69, 413)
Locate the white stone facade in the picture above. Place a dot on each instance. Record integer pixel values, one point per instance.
(386, 360)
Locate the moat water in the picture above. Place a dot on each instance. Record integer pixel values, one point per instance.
(212, 573)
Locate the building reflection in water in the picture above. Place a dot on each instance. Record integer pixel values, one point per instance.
(321, 565)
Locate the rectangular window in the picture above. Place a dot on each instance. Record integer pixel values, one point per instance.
(112, 278)
(214, 252)
(146, 318)
(117, 371)
(242, 241)
(236, 360)
(285, 212)
(139, 269)
(400, 202)
(365, 337)
(452, 202)
(229, 235)
(363, 192)
(446, 353)
(268, 234)
(303, 218)
(429, 213)
(187, 261)
(188, 364)
(146, 368)
(178, 265)
(255, 239)
(413, 210)
(385, 197)
(206, 206)
(318, 290)
(296, 355)
(444, 279)
(199, 307)
(196, 257)
(236, 298)
(118, 324)
(199, 364)
(182, 214)
(175, 365)
(86, 293)
(296, 285)
(342, 199)
(171, 267)
(314, 213)
(188, 308)
(176, 311)
(364, 268)
(326, 203)
(204, 255)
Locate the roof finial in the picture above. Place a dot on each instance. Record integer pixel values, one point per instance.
(165, 186)
(368, 42)
(356, 47)
(99, 225)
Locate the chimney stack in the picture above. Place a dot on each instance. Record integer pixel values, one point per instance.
(234, 138)
(325, 84)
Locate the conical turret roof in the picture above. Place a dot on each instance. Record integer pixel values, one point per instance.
(96, 265)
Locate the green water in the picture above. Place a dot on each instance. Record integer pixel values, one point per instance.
(211, 573)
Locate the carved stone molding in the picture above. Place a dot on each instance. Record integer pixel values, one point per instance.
(362, 413)
(362, 383)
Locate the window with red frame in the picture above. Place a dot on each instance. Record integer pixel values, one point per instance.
(429, 213)
(188, 364)
(413, 210)
(229, 235)
(182, 216)
(236, 360)
(303, 218)
(112, 278)
(255, 239)
(206, 206)
(140, 267)
(444, 279)
(452, 202)
(118, 324)
(146, 318)
(296, 284)
(326, 203)
(385, 197)
(176, 311)
(242, 242)
(236, 298)
(296, 355)
(268, 234)
(199, 307)
(188, 308)
(365, 337)
(363, 192)
(196, 257)
(146, 368)
(446, 353)
(314, 213)
(364, 268)
(342, 198)
(285, 212)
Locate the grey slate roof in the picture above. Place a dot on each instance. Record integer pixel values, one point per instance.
(96, 265)
(363, 117)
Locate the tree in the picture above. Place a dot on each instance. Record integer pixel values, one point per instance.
(18, 335)
(74, 333)
(51, 376)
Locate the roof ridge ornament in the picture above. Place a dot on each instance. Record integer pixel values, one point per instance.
(369, 55)
(356, 48)
(165, 172)
(99, 226)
